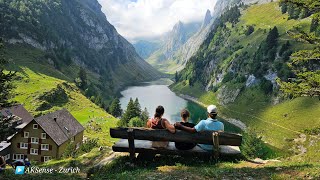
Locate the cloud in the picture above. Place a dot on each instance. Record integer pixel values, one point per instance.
(138, 19)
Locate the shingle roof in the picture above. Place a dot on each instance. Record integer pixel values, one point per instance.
(60, 126)
(4, 145)
(17, 110)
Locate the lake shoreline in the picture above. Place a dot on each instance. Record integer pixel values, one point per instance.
(235, 122)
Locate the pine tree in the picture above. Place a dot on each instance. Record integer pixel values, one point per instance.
(272, 38)
(137, 108)
(81, 80)
(129, 114)
(284, 8)
(5, 79)
(115, 108)
(176, 77)
(145, 115)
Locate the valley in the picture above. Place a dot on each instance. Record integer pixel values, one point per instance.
(241, 57)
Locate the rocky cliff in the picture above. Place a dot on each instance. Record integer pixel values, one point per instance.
(75, 32)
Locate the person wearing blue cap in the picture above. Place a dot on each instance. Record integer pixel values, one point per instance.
(209, 124)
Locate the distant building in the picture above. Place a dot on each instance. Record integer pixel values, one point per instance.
(5, 150)
(19, 113)
(46, 137)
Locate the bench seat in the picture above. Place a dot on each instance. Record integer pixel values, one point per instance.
(145, 146)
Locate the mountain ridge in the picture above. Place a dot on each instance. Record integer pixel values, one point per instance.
(79, 35)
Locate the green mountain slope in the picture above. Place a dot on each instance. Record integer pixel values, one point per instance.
(66, 35)
(232, 69)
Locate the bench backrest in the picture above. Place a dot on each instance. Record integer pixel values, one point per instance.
(204, 137)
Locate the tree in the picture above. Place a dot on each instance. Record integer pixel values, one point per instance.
(284, 8)
(81, 81)
(305, 64)
(176, 77)
(6, 126)
(136, 122)
(129, 114)
(137, 108)
(115, 108)
(145, 115)
(5, 79)
(272, 38)
(250, 30)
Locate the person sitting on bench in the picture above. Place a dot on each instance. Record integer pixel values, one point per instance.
(157, 122)
(185, 114)
(210, 124)
(2, 164)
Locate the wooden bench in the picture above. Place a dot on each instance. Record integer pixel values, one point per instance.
(139, 140)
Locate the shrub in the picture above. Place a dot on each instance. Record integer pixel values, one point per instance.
(88, 145)
(252, 146)
(136, 122)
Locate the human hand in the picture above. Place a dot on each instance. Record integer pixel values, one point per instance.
(177, 125)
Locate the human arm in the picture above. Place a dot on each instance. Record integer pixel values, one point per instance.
(169, 126)
(185, 128)
(149, 123)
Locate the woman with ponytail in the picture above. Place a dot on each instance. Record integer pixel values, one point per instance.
(157, 122)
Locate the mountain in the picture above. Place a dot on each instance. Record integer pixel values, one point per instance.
(73, 34)
(207, 19)
(245, 49)
(191, 46)
(173, 40)
(145, 48)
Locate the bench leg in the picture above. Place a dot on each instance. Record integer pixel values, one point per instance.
(131, 144)
(216, 151)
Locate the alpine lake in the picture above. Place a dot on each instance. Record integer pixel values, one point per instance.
(155, 93)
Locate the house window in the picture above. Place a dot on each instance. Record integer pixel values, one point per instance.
(78, 145)
(35, 126)
(46, 158)
(43, 136)
(18, 157)
(45, 147)
(23, 145)
(34, 140)
(26, 134)
(34, 151)
(72, 139)
(7, 157)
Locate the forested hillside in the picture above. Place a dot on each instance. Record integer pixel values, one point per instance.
(58, 37)
(259, 63)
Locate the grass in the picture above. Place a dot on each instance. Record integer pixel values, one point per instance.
(175, 167)
(84, 162)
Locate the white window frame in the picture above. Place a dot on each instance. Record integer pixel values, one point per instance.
(43, 135)
(78, 145)
(73, 139)
(46, 158)
(23, 145)
(34, 151)
(34, 140)
(26, 134)
(44, 148)
(35, 125)
(7, 157)
(20, 155)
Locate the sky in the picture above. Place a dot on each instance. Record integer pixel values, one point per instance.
(142, 19)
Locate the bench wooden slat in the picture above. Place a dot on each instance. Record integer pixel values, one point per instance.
(180, 136)
(145, 146)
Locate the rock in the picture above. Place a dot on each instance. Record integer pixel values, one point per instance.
(227, 95)
(251, 81)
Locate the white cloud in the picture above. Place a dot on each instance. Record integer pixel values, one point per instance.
(137, 19)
